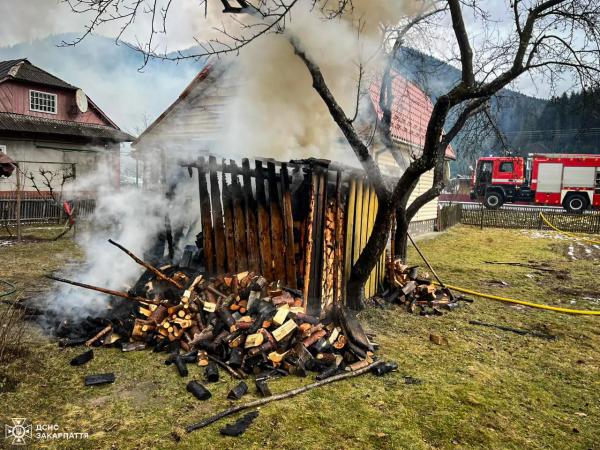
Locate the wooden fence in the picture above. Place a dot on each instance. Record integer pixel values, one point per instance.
(41, 211)
(516, 216)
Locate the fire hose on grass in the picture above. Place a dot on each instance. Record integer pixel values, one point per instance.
(566, 233)
(501, 299)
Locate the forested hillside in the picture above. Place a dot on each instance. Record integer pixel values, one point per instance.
(567, 124)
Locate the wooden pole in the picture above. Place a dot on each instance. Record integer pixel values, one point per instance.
(18, 206)
(283, 395)
(105, 291)
(425, 260)
(151, 268)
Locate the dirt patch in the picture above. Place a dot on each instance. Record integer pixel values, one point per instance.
(578, 250)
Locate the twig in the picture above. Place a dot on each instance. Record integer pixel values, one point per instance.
(283, 395)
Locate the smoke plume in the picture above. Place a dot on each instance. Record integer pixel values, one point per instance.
(277, 113)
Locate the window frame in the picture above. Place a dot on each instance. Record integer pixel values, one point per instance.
(512, 167)
(32, 91)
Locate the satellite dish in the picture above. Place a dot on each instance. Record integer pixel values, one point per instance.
(81, 100)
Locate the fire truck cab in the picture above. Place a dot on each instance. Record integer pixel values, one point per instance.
(570, 180)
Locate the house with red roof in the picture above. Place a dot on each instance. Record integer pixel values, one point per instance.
(411, 110)
(47, 124)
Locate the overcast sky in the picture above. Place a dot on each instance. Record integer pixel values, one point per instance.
(27, 20)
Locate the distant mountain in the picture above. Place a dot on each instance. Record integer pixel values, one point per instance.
(512, 111)
(110, 74)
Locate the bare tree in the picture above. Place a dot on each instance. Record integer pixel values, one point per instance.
(52, 190)
(547, 38)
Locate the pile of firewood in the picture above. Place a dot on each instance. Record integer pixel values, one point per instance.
(417, 291)
(240, 322)
(250, 326)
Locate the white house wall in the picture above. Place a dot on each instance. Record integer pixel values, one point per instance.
(59, 157)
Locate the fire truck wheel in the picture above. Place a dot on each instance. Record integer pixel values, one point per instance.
(493, 200)
(575, 203)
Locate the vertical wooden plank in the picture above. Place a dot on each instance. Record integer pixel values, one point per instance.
(358, 221)
(308, 246)
(382, 267)
(365, 229)
(288, 224)
(250, 215)
(337, 248)
(229, 227)
(239, 221)
(364, 226)
(349, 240)
(372, 212)
(327, 293)
(316, 274)
(264, 227)
(217, 216)
(205, 217)
(276, 226)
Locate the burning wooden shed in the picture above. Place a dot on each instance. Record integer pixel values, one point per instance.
(194, 123)
(303, 222)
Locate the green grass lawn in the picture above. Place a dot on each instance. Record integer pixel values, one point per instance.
(486, 389)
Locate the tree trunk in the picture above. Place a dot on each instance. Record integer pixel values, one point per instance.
(370, 255)
(401, 238)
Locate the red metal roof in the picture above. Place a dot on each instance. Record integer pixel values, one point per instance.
(411, 110)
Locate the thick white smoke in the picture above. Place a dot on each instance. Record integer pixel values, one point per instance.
(133, 218)
(277, 113)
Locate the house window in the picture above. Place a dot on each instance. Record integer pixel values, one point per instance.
(42, 102)
(3, 149)
(506, 167)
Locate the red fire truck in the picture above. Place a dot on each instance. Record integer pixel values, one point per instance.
(572, 181)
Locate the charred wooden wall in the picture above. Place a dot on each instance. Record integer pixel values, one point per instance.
(304, 223)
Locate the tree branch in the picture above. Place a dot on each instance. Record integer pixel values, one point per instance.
(462, 38)
(344, 123)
